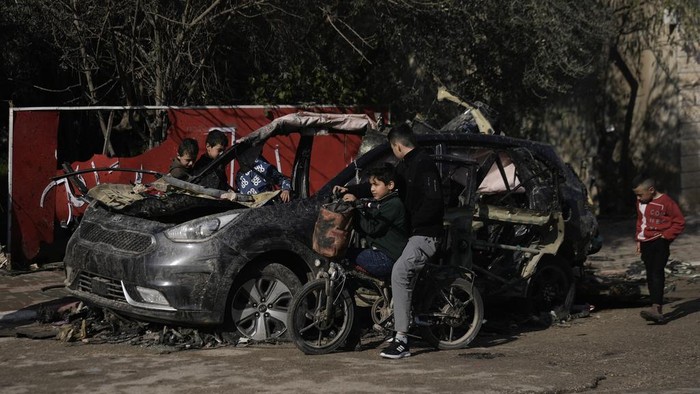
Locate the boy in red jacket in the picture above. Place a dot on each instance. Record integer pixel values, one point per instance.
(659, 222)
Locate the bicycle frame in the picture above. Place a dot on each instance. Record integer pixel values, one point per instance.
(431, 276)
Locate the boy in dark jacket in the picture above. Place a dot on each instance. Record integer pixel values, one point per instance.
(383, 222)
(181, 166)
(422, 188)
(659, 222)
(215, 146)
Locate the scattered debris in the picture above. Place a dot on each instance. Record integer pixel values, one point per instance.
(35, 331)
(683, 269)
(77, 322)
(33, 268)
(630, 283)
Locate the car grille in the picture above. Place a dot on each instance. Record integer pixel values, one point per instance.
(99, 285)
(124, 240)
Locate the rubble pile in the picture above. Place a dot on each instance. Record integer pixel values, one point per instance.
(630, 283)
(690, 270)
(624, 285)
(89, 325)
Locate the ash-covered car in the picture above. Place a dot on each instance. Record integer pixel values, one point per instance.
(515, 213)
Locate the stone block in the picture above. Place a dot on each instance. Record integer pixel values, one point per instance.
(690, 180)
(690, 163)
(690, 147)
(690, 130)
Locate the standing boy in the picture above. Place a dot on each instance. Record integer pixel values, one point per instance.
(383, 222)
(182, 164)
(215, 145)
(659, 222)
(424, 206)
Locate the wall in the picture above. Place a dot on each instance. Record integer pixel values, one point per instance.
(688, 61)
(664, 137)
(641, 116)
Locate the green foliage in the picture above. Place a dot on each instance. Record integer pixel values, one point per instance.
(511, 54)
(518, 56)
(508, 53)
(29, 64)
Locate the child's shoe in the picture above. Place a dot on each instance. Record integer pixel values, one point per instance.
(396, 349)
(653, 314)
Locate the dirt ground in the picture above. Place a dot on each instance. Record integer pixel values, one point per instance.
(613, 350)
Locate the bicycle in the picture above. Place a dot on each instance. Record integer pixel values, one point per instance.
(447, 307)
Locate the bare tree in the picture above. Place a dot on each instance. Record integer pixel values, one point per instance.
(146, 52)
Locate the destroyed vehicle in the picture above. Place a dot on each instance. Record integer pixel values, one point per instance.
(179, 253)
(524, 222)
(514, 213)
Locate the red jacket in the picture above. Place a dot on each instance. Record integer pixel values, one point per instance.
(660, 217)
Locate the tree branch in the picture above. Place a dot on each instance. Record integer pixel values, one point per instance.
(329, 20)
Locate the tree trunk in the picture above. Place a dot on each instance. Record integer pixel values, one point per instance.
(625, 178)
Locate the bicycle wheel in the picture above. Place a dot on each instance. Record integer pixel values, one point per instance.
(453, 315)
(311, 328)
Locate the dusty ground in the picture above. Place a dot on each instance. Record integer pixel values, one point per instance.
(614, 350)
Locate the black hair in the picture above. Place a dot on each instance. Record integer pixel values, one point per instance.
(188, 145)
(644, 180)
(385, 174)
(217, 137)
(402, 134)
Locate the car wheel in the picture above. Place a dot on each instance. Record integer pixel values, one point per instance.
(551, 288)
(259, 306)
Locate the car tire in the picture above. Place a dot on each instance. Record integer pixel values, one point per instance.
(260, 304)
(552, 288)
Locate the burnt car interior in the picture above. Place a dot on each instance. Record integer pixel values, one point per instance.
(515, 218)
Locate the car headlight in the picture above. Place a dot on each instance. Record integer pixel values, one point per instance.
(200, 229)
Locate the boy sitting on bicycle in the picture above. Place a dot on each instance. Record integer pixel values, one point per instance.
(382, 221)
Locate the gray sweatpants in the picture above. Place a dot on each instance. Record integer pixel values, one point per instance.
(415, 254)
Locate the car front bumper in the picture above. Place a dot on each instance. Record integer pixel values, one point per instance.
(131, 267)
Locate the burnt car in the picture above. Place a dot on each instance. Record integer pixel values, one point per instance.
(525, 224)
(515, 214)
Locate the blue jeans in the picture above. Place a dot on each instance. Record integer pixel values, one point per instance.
(374, 261)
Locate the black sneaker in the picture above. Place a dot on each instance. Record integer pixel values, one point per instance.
(396, 349)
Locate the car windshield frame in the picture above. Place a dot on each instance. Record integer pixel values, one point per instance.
(249, 147)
